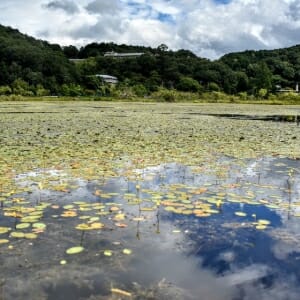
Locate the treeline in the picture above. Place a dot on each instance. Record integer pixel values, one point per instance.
(34, 67)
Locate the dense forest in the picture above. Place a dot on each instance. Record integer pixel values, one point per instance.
(32, 67)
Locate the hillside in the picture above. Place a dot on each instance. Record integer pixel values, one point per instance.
(34, 67)
(36, 62)
(283, 64)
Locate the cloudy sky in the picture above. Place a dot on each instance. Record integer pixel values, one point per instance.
(209, 28)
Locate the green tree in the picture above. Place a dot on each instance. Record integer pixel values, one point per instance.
(70, 51)
(261, 77)
(188, 84)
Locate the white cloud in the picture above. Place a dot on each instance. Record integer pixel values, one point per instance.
(206, 27)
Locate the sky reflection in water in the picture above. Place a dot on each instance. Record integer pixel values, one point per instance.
(174, 256)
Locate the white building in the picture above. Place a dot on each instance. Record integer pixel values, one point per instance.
(123, 55)
(108, 79)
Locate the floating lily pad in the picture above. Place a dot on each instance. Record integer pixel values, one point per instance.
(4, 230)
(75, 250)
(30, 236)
(127, 251)
(263, 222)
(108, 253)
(39, 225)
(4, 241)
(260, 227)
(240, 214)
(18, 235)
(23, 225)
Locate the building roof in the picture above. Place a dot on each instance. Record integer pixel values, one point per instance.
(106, 76)
(129, 54)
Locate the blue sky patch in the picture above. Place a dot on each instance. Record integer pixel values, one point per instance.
(165, 18)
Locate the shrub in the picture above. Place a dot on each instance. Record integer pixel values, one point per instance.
(213, 87)
(165, 95)
(5, 90)
(188, 84)
(140, 90)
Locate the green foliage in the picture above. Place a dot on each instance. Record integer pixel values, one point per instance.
(242, 95)
(188, 84)
(71, 51)
(33, 67)
(165, 95)
(213, 87)
(291, 98)
(21, 87)
(33, 61)
(262, 93)
(71, 90)
(5, 90)
(140, 90)
(40, 91)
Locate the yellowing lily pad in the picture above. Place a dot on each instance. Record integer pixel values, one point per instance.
(69, 214)
(107, 253)
(240, 214)
(260, 227)
(30, 236)
(4, 230)
(263, 222)
(127, 251)
(30, 219)
(4, 241)
(39, 225)
(121, 292)
(75, 250)
(23, 225)
(85, 226)
(18, 235)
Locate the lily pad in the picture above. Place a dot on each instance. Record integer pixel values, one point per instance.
(4, 241)
(108, 253)
(4, 230)
(18, 235)
(30, 236)
(39, 225)
(23, 226)
(75, 250)
(240, 214)
(127, 251)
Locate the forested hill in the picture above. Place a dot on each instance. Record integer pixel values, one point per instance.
(34, 67)
(281, 65)
(35, 62)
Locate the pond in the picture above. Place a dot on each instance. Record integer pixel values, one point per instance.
(178, 223)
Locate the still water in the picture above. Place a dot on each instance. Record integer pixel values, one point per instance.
(188, 233)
